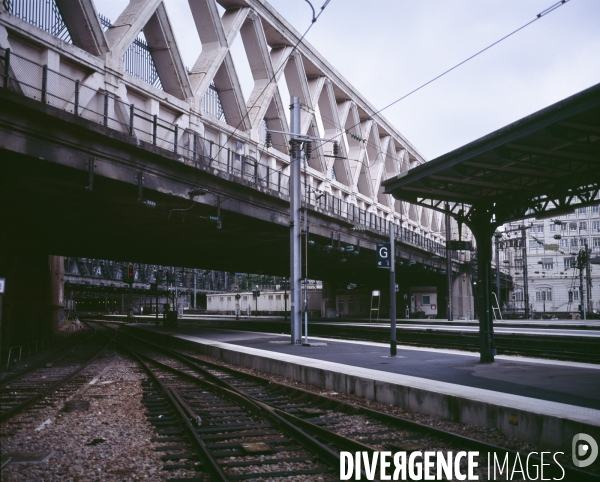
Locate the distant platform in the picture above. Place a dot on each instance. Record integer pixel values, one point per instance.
(575, 325)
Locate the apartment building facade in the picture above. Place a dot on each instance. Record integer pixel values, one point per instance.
(556, 275)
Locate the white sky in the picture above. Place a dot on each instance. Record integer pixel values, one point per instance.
(386, 48)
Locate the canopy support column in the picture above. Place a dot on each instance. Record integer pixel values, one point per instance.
(483, 227)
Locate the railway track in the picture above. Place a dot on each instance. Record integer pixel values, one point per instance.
(227, 408)
(59, 376)
(214, 429)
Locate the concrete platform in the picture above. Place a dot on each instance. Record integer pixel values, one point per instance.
(541, 401)
(573, 327)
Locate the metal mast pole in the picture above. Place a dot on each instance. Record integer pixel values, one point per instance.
(448, 264)
(525, 285)
(305, 299)
(195, 288)
(393, 343)
(295, 239)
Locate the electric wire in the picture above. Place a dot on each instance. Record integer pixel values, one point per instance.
(248, 110)
(346, 130)
(538, 17)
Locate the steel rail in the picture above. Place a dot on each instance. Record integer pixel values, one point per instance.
(274, 415)
(387, 418)
(10, 378)
(20, 407)
(461, 440)
(391, 419)
(208, 461)
(290, 425)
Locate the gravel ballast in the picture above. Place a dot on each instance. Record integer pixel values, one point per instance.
(110, 441)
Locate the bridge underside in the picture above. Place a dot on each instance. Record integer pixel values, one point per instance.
(46, 206)
(47, 209)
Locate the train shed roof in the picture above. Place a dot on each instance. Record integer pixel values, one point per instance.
(543, 164)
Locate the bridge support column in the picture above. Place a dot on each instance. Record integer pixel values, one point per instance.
(328, 302)
(462, 296)
(33, 304)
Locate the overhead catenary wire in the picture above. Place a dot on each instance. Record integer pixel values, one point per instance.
(347, 130)
(275, 73)
(538, 17)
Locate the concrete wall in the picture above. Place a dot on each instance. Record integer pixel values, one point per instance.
(33, 303)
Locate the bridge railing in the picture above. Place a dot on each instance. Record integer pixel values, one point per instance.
(53, 88)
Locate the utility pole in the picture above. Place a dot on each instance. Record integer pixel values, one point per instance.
(525, 282)
(295, 238)
(581, 264)
(448, 264)
(588, 277)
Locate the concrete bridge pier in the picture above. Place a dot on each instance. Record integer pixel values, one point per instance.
(328, 302)
(33, 302)
(462, 296)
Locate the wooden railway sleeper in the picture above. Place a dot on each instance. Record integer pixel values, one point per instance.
(209, 463)
(320, 449)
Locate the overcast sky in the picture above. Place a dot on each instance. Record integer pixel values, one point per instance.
(386, 48)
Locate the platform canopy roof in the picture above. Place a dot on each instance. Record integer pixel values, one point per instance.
(545, 164)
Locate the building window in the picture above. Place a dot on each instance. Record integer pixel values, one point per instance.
(519, 263)
(596, 225)
(573, 242)
(547, 263)
(518, 295)
(277, 297)
(244, 298)
(563, 226)
(596, 244)
(544, 294)
(570, 262)
(573, 226)
(221, 298)
(573, 295)
(533, 244)
(581, 210)
(540, 228)
(564, 243)
(595, 209)
(552, 227)
(583, 226)
(270, 297)
(340, 305)
(426, 300)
